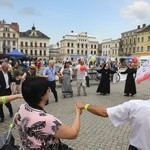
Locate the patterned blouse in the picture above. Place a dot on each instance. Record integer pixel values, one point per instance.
(37, 129)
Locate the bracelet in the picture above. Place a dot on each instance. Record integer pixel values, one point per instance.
(86, 106)
(3, 99)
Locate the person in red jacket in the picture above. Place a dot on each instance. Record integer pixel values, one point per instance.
(38, 65)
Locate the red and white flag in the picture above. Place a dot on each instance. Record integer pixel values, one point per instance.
(143, 72)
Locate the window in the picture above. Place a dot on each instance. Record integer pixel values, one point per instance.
(40, 44)
(94, 52)
(86, 52)
(35, 52)
(71, 44)
(31, 52)
(26, 43)
(14, 43)
(4, 35)
(148, 48)
(14, 35)
(82, 46)
(6, 28)
(22, 50)
(91, 52)
(94, 46)
(91, 46)
(78, 45)
(21, 43)
(68, 44)
(78, 51)
(133, 49)
(72, 51)
(137, 49)
(26, 51)
(68, 51)
(31, 44)
(8, 42)
(40, 52)
(148, 38)
(35, 44)
(138, 39)
(141, 48)
(44, 44)
(8, 35)
(82, 52)
(44, 53)
(86, 46)
(142, 39)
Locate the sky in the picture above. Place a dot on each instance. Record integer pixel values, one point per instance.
(102, 19)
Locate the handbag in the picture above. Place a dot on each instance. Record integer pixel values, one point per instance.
(7, 142)
(63, 146)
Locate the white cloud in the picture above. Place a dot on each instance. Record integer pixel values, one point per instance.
(138, 12)
(6, 3)
(29, 11)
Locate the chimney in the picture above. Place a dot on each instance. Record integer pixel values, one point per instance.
(15, 26)
(144, 25)
(138, 27)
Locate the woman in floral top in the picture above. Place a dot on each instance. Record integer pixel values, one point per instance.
(38, 129)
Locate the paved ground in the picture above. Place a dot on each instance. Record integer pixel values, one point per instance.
(96, 133)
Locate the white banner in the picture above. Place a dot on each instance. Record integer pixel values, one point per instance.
(143, 72)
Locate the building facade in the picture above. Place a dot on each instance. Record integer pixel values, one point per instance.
(34, 44)
(143, 42)
(78, 45)
(110, 48)
(129, 41)
(9, 35)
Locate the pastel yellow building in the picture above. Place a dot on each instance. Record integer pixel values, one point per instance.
(143, 42)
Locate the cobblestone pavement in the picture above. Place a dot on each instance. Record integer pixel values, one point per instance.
(96, 133)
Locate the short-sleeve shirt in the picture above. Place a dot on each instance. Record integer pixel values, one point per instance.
(51, 72)
(137, 113)
(37, 129)
(80, 74)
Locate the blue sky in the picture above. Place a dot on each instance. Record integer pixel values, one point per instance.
(56, 18)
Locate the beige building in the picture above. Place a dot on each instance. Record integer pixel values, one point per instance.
(110, 48)
(143, 42)
(9, 35)
(129, 41)
(76, 45)
(34, 43)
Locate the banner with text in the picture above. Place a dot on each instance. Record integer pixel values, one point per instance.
(143, 72)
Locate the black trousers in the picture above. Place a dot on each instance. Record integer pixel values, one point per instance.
(52, 85)
(87, 81)
(8, 105)
(132, 148)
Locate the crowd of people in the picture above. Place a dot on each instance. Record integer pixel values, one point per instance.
(40, 130)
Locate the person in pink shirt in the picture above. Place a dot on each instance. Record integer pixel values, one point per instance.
(38, 129)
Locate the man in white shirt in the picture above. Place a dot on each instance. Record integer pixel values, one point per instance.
(81, 73)
(136, 112)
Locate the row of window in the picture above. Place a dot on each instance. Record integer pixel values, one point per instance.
(142, 39)
(9, 35)
(114, 52)
(9, 43)
(34, 52)
(108, 46)
(141, 48)
(31, 44)
(82, 52)
(82, 45)
(133, 40)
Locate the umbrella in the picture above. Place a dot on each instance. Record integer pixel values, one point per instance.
(15, 53)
